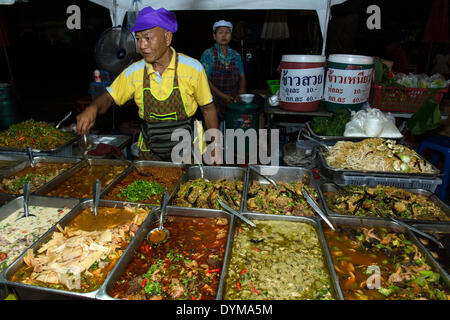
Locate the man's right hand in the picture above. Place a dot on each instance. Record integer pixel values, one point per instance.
(86, 119)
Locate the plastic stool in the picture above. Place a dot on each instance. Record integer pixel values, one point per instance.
(439, 145)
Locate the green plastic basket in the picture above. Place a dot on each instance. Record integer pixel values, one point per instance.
(274, 85)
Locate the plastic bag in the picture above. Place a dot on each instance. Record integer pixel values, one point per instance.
(371, 123)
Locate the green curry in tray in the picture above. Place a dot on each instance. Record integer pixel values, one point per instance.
(277, 260)
(37, 134)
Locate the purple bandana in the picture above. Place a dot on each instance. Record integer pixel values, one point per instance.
(149, 18)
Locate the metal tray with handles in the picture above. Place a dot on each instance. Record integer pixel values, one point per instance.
(33, 292)
(103, 292)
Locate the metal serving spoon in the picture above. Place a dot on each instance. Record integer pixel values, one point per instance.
(426, 235)
(26, 200)
(63, 119)
(87, 147)
(96, 196)
(265, 177)
(237, 214)
(30, 156)
(160, 234)
(316, 207)
(200, 164)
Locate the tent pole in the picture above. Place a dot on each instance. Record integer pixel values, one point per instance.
(327, 18)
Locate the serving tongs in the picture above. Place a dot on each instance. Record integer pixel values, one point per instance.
(236, 213)
(264, 177)
(30, 156)
(160, 234)
(320, 143)
(26, 200)
(63, 119)
(96, 196)
(316, 208)
(423, 234)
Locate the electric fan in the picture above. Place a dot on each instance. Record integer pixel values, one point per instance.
(115, 50)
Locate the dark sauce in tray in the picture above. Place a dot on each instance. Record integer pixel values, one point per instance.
(403, 274)
(187, 266)
(80, 184)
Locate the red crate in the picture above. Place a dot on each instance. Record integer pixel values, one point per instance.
(395, 99)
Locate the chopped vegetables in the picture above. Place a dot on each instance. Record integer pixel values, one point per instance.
(140, 190)
(37, 134)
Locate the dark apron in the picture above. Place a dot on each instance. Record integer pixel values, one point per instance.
(225, 77)
(162, 117)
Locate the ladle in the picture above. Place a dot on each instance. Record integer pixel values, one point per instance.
(30, 156)
(237, 214)
(160, 234)
(96, 196)
(316, 207)
(63, 119)
(423, 234)
(265, 177)
(26, 199)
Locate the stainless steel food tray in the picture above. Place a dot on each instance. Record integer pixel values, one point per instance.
(445, 225)
(31, 292)
(279, 174)
(13, 158)
(64, 150)
(120, 267)
(17, 203)
(336, 292)
(425, 181)
(308, 127)
(69, 173)
(145, 163)
(214, 173)
(11, 171)
(363, 222)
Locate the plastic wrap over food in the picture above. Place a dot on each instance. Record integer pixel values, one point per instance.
(372, 123)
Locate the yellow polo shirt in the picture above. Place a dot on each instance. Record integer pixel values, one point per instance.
(192, 81)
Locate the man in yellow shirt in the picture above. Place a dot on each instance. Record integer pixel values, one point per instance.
(167, 86)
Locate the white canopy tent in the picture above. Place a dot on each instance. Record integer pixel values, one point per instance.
(119, 8)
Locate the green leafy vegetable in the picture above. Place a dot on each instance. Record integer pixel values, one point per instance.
(141, 190)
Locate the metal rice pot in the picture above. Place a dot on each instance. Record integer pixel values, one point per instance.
(214, 173)
(74, 170)
(45, 159)
(120, 267)
(17, 203)
(278, 174)
(442, 225)
(335, 290)
(383, 223)
(32, 292)
(145, 163)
